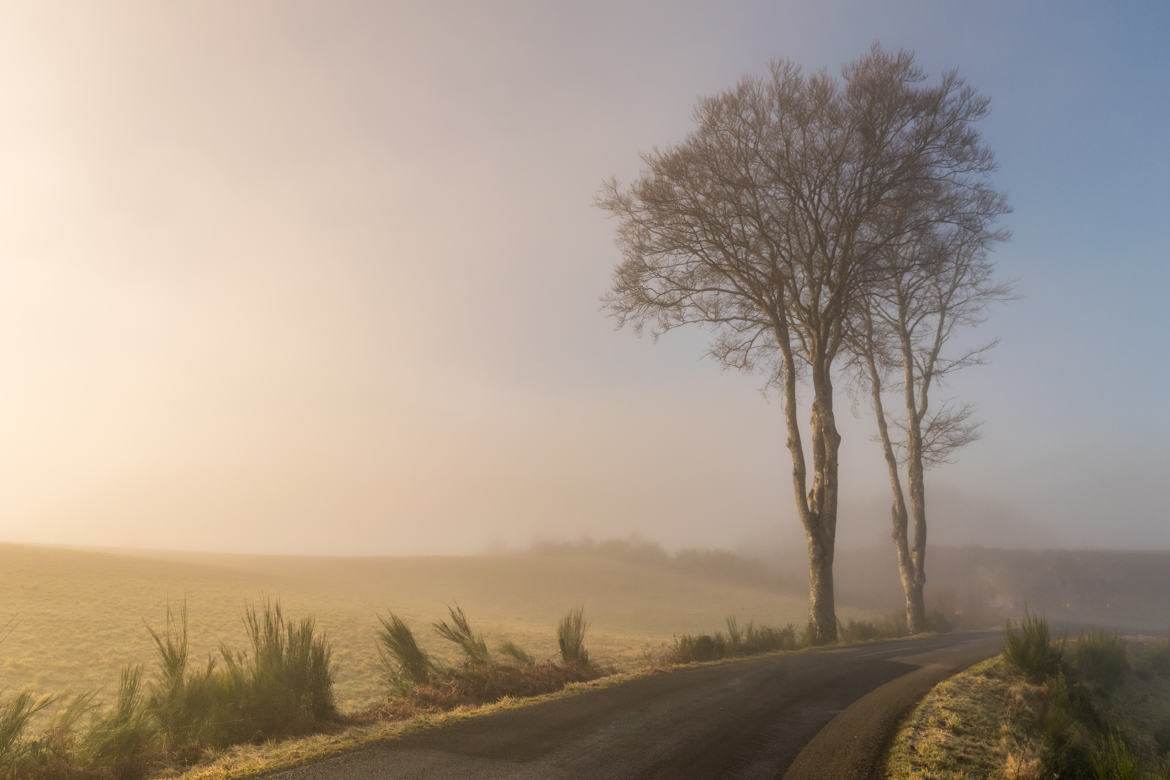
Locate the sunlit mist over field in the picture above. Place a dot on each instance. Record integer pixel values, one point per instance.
(372, 366)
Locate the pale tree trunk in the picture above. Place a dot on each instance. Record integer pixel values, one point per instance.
(818, 507)
(915, 603)
(822, 504)
(909, 563)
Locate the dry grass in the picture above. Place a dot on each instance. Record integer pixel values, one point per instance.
(990, 721)
(249, 760)
(960, 729)
(59, 600)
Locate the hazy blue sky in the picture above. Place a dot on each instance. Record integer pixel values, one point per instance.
(324, 277)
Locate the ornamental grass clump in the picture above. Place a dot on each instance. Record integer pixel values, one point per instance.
(571, 637)
(459, 632)
(404, 663)
(418, 684)
(1030, 648)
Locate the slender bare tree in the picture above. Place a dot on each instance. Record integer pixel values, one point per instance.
(768, 222)
(934, 283)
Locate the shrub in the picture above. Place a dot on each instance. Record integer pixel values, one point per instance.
(892, 625)
(734, 636)
(423, 686)
(571, 637)
(15, 715)
(858, 631)
(284, 685)
(1115, 760)
(121, 740)
(1159, 660)
(459, 632)
(403, 661)
(749, 640)
(1030, 649)
(765, 639)
(189, 708)
(1101, 659)
(700, 648)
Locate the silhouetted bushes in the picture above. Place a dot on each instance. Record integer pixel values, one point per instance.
(749, 640)
(893, 625)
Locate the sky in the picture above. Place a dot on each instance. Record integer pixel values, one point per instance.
(325, 277)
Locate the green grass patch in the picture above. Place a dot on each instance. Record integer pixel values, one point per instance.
(1031, 649)
(1099, 714)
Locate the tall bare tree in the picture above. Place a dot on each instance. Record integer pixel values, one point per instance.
(768, 222)
(934, 283)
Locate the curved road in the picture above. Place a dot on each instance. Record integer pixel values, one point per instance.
(827, 713)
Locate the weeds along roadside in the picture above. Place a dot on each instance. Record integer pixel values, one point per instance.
(281, 686)
(1093, 706)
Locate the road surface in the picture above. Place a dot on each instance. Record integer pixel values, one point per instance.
(826, 713)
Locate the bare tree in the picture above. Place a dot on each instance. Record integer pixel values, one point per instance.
(934, 283)
(768, 222)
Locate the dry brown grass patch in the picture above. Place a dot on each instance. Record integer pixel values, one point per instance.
(483, 684)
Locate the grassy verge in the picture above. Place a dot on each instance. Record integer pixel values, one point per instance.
(280, 686)
(272, 705)
(1092, 707)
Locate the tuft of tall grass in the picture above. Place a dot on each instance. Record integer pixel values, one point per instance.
(1031, 648)
(571, 637)
(422, 686)
(15, 714)
(190, 709)
(459, 632)
(121, 740)
(404, 663)
(285, 684)
(734, 635)
(516, 653)
(282, 685)
(1101, 659)
(54, 751)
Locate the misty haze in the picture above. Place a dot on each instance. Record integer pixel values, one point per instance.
(522, 389)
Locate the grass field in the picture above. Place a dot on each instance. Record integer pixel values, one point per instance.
(69, 619)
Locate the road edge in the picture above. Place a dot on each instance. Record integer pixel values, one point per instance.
(855, 742)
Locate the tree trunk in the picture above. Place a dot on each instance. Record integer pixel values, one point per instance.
(908, 563)
(821, 525)
(915, 600)
(915, 603)
(822, 614)
(817, 508)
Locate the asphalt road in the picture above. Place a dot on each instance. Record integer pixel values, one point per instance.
(822, 714)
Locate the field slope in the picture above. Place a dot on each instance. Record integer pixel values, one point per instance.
(70, 618)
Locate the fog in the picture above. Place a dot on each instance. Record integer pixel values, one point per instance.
(325, 277)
